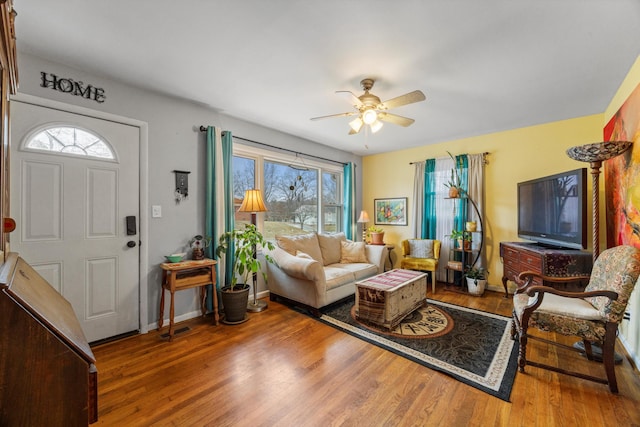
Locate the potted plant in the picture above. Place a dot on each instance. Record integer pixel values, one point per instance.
(243, 243)
(375, 235)
(462, 238)
(476, 279)
(455, 181)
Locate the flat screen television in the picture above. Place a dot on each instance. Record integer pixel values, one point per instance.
(552, 210)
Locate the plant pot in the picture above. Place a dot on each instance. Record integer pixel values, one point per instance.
(235, 303)
(471, 226)
(476, 286)
(377, 238)
(454, 193)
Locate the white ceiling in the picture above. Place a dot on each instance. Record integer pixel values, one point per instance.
(485, 66)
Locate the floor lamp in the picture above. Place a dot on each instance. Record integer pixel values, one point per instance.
(595, 154)
(254, 203)
(363, 219)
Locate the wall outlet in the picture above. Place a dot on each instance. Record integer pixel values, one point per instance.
(156, 211)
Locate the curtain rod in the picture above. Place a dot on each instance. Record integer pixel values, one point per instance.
(486, 153)
(204, 129)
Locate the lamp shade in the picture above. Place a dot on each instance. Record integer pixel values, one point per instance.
(252, 202)
(364, 217)
(598, 151)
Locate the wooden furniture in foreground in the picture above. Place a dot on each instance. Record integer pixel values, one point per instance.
(178, 276)
(519, 256)
(47, 369)
(387, 298)
(592, 315)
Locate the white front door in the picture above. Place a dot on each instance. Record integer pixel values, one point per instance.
(71, 211)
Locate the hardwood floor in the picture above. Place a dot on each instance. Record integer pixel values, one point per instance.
(283, 368)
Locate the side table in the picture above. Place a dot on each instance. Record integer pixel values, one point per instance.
(177, 276)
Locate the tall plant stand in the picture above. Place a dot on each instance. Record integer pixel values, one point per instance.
(462, 257)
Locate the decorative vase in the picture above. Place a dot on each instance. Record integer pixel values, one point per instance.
(197, 254)
(471, 226)
(235, 303)
(377, 238)
(476, 286)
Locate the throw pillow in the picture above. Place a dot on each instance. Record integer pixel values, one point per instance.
(420, 248)
(307, 243)
(351, 252)
(330, 247)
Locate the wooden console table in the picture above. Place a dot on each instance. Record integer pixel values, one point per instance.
(177, 276)
(519, 256)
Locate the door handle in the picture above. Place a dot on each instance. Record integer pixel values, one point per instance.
(131, 244)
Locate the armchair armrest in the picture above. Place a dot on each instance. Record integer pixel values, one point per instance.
(376, 255)
(525, 279)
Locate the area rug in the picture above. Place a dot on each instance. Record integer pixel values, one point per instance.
(471, 346)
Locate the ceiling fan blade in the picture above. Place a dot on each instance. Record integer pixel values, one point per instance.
(395, 119)
(352, 98)
(353, 113)
(353, 132)
(407, 98)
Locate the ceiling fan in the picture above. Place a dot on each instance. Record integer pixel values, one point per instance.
(371, 111)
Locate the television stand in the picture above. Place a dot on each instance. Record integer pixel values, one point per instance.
(558, 262)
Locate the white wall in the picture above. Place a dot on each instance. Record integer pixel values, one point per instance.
(174, 143)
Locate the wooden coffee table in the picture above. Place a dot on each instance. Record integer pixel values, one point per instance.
(389, 297)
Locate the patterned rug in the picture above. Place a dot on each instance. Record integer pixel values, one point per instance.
(473, 347)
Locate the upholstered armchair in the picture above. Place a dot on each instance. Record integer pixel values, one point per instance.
(593, 315)
(422, 255)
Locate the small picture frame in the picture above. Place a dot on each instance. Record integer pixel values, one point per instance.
(390, 211)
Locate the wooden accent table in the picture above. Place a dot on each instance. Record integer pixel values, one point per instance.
(177, 276)
(518, 257)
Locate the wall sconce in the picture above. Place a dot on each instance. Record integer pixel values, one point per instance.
(182, 185)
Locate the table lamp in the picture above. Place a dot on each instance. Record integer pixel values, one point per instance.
(363, 219)
(254, 203)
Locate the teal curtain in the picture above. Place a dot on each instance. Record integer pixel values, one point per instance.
(462, 164)
(348, 215)
(219, 212)
(429, 219)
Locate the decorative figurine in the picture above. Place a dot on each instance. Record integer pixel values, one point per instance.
(198, 244)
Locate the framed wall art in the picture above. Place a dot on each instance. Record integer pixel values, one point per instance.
(390, 211)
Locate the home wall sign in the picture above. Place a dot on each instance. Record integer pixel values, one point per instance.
(73, 87)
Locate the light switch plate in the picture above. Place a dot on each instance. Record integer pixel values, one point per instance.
(156, 211)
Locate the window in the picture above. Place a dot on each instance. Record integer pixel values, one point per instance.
(301, 197)
(71, 141)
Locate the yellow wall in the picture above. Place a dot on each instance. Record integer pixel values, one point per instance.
(515, 155)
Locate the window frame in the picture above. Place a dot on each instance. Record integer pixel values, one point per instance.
(260, 155)
(52, 125)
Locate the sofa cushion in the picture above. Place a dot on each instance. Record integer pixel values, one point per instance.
(360, 270)
(307, 243)
(419, 248)
(330, 247)
(336, 277)
(351, 252)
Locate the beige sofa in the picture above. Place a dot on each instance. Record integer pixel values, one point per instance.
(315, 270)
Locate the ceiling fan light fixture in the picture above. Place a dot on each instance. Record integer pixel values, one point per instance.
(369, 117)
(376, 126)
(356, 124)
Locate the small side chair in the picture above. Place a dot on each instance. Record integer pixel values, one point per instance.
(593, 315)
(421, 255)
